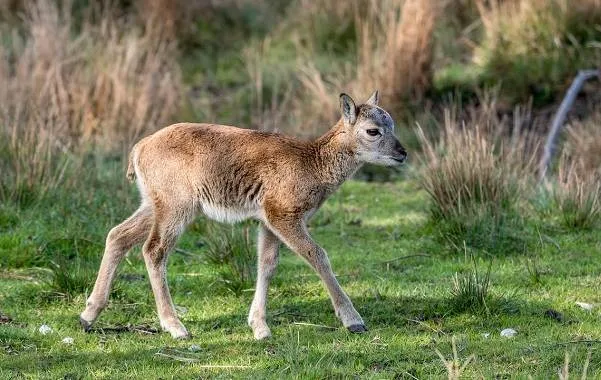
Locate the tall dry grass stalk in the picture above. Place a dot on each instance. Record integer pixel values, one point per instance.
(477, 174)
(318, 103)
(271, 114)
(396, 48)
(516, 26)
(455, 367)
(394, 55)
(484, 161)
(534, 47)
(577, 192)
(278, 103)
(583, 142)
(161, 17)
(66, 90)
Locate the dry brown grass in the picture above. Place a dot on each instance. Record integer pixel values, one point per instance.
(309, 110)
(64, 94)
(482, 160)
(270, 115)
(516, 25)
(535, 47)
(477, 173)
(160, 16)
(584, 142)
(578, 189)
(578, 193)
(395, 54)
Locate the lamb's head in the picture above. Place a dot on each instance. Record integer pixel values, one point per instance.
(371, 132)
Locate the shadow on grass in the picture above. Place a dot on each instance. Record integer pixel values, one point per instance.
(147, 363)
(388, 313)
(411, 316)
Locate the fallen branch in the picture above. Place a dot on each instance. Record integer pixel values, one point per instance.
(145, 329)
(560, 117)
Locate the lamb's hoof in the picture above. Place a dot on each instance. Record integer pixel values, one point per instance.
(262, 333)
(180, 336)
(179, 333)
(87, 326)
(357, 329)
(176, 329)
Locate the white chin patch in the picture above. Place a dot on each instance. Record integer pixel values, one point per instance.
(378, 160)
(372, 158)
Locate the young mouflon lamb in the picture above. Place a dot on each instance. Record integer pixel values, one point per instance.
(231, 174)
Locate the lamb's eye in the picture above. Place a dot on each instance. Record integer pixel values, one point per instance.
(373, 132)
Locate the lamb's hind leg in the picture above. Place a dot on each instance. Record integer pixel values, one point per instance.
(118, 241)
(268, 252)
(162, 238)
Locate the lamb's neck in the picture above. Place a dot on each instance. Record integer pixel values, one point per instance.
(335, 157)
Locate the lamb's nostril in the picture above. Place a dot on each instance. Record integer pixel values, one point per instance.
(401, 156)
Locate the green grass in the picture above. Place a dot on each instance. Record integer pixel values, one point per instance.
(386, 254)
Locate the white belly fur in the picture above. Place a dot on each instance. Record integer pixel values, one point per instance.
(227, 215)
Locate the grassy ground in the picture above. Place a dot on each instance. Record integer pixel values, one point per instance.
(385, 252)
(279, 65)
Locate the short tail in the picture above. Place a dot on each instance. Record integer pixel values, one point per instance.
(131, 171)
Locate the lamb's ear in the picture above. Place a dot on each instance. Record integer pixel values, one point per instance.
(374, 99)
(348, 109)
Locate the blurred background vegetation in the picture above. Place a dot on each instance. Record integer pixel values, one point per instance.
(472, 85)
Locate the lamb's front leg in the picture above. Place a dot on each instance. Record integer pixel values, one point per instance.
(293, 232)
(268, 252)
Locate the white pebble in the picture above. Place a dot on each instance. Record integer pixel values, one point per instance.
(509, 333)
(486, 335)
(45, 329)
(194, 348)
(585, 306)
(67, 340)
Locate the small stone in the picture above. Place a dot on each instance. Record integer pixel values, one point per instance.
(194, 348)
(45, 329)
(181, 310)
(585, 306)
(508, 333)
(486, 335)
(67, 340)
